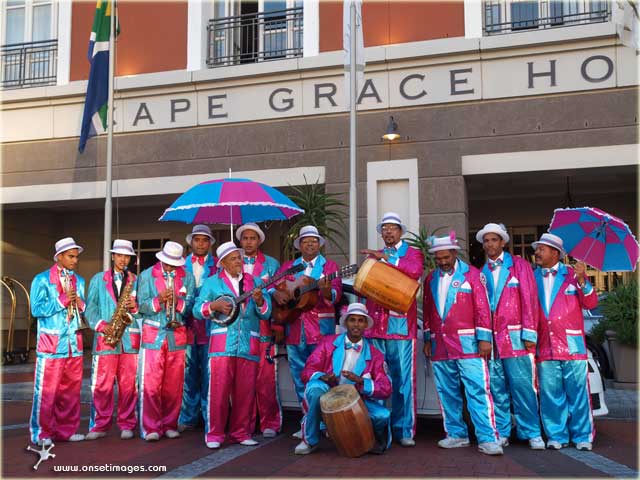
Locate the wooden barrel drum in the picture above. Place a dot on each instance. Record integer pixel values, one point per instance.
(347, 420)
(386, 285)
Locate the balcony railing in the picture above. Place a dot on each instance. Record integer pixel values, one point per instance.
(29, 64)
(255, 37)
(510, 16)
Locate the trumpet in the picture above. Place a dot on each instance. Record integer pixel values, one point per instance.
(172, 323)
(72, 309)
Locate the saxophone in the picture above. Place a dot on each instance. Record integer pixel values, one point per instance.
(121, 318)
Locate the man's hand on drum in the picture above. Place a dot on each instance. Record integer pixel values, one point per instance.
(353, 377)
(325, 287)
(221, 306)
(374, 253)
(484, 349)
(330, 379)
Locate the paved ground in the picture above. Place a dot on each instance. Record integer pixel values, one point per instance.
(615, 452)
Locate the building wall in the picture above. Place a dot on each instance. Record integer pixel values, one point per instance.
(390, 22)
(144, 45)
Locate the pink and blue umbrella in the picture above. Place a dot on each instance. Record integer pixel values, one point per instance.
(603, 241)
(231, 201)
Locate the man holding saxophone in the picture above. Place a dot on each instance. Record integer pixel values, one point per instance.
(165, 296)
(112, 312)
(57, 303)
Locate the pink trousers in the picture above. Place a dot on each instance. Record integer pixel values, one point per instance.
(267, 401)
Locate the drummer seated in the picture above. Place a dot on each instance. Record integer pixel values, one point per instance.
(346, 358)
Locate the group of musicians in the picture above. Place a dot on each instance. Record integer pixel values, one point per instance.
(512, 336)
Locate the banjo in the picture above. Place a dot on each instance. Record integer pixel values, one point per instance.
(226, 320)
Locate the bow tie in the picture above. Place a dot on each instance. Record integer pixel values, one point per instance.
(117, 277)
(390, 250)
(355, 346)
(549, 271)
(249, 260)
(166, 275)
(442, 273)
(495, 264)
(307, 264)
(64, 272)
(200, 260)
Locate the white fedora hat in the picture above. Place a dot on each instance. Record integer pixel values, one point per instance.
(551, 240)
(225, 249)
(497, 228)
(308, 231)
(124, 247)
(356, 309)
(391, 217)
(444, 243)
(65, 244)
(200, 230)
(250, 226)
(171, 254)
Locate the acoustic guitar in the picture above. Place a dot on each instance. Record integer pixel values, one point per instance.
(303, 294)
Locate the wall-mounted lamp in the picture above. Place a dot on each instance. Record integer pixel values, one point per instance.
(392, 131)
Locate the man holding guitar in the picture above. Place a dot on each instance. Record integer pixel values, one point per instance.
(233, 347)
(308, 328)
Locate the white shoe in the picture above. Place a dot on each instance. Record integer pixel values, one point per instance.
(503, 441)
(584, 446)
(490, 448)
(407, 442)
(45, 442)
(536, 443)
(126, 435)
(269, 433)
(172, 434)
(452, 442)
(303, 448)
(297, 435)
(95, 435)
(553, 445)
(76, 437)
(213, 445)
(152, 437)
(249, 442)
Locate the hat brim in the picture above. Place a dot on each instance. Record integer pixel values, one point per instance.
(444, 247)
(238, 249)
(343, 319)
(534, 245)
(123, 252)
(189, 237)
(80, 250)
(402, 226)
(296, 242)
(243, 228)
(480, 235)
(170, 261)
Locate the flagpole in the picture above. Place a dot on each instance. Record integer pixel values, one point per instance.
(106, 259)
(353, 210)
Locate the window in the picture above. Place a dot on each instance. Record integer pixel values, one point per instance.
(146, 249)
(524, 15)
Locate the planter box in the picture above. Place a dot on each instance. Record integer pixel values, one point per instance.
(625, 360)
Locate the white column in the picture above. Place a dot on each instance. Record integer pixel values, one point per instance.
(64, 42)
(311, 32)
(472, 19)
(198, 13)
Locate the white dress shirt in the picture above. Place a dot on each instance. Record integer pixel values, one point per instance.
(198, 270)
(310, 265)
(249, 267)
(548, 282)
(443, 288)
(235, 281)
(350, 359)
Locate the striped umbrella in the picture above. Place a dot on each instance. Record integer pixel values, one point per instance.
(603, 241)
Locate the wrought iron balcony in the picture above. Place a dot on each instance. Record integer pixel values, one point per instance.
(255, 37)
(510, 16)
(30, 64)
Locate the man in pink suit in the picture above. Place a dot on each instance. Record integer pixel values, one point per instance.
(565, 404)
(263, 267)
(514, 310)
(165, 297)
(233, 348)
(346, 358)
(457, 335)
(307, 330)
(394, 333)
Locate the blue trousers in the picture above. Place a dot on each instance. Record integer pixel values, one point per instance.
(196, 385)
(298, 355)
(513, 380)
(565, 405)
(400, 356)
(473, 373)
(379, 414)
